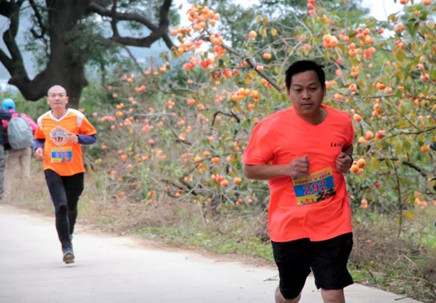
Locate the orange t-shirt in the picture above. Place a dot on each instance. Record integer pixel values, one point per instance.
(65, 158)
(317, 206)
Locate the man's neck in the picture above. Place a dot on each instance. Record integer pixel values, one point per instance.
(58, 113)
(317, 119)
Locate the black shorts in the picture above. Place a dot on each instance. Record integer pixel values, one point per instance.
(327, 259)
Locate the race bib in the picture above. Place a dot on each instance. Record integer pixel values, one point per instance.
(314, 188)
(61, 154)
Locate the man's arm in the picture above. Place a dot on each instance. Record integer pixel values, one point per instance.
(87, 139)
(37, 143)
(4, 115)
(265, 172)
(38, 147)
(297, 168)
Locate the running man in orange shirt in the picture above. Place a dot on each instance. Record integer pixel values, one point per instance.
(303, 152)
(59, 135)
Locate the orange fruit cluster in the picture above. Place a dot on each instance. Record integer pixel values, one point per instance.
(330, 41)
(202, 15)
(358, 166)
(311, 7)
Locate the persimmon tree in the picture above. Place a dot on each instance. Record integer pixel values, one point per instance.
(185, 140)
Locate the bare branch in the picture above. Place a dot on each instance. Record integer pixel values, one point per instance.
(252, 65)
(415, 167)
(40, 21)
(14, 64)
(111, 13)
(114, 20)
(157, 32)
(420, 170)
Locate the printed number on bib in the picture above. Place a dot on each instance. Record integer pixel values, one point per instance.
(61, 154)
(314, 188)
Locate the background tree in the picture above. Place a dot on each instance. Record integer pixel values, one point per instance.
(181, 127)
(68, 35)
(236, 19)
(193, 135)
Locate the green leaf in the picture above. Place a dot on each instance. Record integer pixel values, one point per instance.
(433, 75)
(375, 163)
(415, 73)
(165, 56)
(264, 33)
(406, 146)
(277, 69)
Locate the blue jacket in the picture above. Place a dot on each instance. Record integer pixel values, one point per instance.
(4, 115)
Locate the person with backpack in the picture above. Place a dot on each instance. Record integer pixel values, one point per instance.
(4, 117)
(20, 130)
(59, 135)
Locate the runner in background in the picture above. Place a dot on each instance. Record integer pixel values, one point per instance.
(59, 135)
(4, 116)
(303, 152)
(18, 160)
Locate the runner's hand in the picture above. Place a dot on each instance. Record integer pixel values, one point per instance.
(299, 167)
(39, 154)
(70, 137)
(343, 162)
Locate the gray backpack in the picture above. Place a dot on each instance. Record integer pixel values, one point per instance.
(20, 133)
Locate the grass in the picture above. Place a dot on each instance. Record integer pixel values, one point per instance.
(404, 264)
(213, 241)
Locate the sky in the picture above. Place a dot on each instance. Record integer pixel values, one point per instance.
(380, 9)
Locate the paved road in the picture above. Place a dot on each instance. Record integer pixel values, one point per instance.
(122, 269)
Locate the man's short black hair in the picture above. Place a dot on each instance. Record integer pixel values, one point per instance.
(302, 66)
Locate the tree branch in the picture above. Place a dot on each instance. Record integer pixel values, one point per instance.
(252, 65)
(416, 167)
(157, 32)
(102, 11)
(40, 21)
(114, 21)
(420, 170)
(14, 64)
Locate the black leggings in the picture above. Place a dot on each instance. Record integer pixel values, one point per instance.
(65, 192)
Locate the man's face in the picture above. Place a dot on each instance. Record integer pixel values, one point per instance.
(306, 94)
(57, 98)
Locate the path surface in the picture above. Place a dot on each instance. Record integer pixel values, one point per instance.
(113, 269)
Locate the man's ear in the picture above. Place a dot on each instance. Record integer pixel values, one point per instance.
(67, 99)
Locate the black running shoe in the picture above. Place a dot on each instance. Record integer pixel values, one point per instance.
(68, 256)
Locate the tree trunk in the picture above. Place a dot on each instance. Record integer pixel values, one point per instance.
(67, 55)
(66, 64)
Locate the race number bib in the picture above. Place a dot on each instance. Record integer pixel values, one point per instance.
(61, 154)
(314, 188)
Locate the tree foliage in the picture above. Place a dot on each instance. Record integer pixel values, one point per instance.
(237, 19)
(382, 73)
